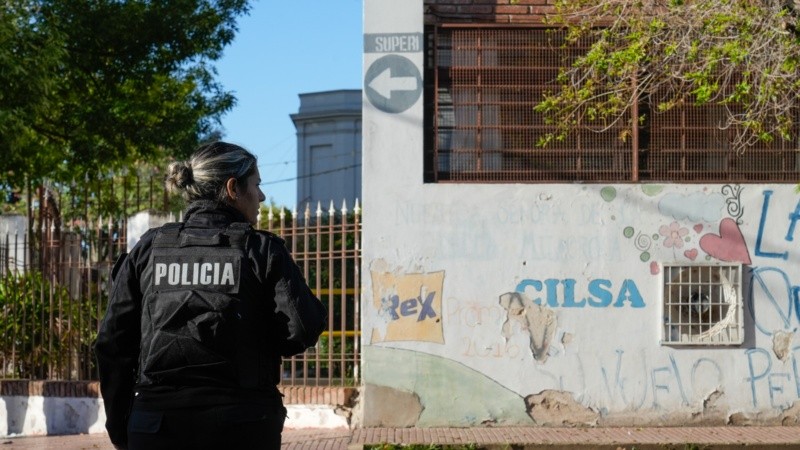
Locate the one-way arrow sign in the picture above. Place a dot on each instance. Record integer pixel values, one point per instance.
(393, 83)
(385, 83)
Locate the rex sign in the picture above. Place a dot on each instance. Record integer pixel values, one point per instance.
(409, 306)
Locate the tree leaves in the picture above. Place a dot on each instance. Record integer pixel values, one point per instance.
(98, 84)
(725, 52)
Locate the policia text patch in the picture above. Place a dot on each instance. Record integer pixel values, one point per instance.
(219, 271)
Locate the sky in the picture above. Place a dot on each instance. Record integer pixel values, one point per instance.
(283, 49)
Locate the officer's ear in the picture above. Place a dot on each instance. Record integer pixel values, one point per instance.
(232, 189)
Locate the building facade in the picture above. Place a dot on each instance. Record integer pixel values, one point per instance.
(328, 148)
(592, 283)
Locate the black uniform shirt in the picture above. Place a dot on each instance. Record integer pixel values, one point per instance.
(299, 315)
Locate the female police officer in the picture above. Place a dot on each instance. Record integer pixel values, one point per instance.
(200, 314)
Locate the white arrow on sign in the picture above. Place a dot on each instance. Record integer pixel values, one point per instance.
(385, 83)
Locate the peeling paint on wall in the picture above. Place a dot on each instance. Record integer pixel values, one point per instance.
(558, 408)
(712, 402)
(781, 340)
(390, 407)
(538, 321)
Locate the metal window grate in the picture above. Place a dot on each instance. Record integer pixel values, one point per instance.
(702, 305)
(483, 82)
(487, 83)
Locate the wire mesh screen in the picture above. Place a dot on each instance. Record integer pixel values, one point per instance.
(482, 84)
(694, 143)
(487, 84)
(703, 305)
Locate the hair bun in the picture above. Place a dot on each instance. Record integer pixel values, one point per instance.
(185, 176)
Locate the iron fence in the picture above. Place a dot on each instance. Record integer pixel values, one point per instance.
(327, 247)
(55, 281)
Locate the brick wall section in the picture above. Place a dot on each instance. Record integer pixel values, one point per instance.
(318, 395)
(50, 388)
(486, 11)
(293, 395)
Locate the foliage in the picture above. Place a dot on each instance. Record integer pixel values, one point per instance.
(30, 59)
(105, 83)
(44, 332)
(741, 55)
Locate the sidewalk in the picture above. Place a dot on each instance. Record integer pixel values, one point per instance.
(528, 438)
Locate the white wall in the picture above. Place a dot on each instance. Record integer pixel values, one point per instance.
(449, 348)
(14, 240)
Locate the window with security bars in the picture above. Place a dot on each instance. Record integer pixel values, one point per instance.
(482, 84)
(702, 305)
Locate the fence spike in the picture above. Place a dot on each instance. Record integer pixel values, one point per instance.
(307, 213)
(282, 213)
(357, 208)
(344, 207)
(319, 209)
(332, 210)
(270, 215)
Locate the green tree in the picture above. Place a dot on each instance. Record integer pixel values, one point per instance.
(121, 81)
(29, 61)
(740, 54)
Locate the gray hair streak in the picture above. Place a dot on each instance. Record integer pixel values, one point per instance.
(204, 175)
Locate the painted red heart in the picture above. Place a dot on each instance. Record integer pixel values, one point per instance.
(691, 254)
(728, 245)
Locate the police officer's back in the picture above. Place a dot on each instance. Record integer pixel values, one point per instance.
(200, 314)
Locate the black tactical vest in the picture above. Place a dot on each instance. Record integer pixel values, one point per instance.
(201, 313)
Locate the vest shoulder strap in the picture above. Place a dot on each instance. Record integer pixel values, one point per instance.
(172, 235)
(168, 235)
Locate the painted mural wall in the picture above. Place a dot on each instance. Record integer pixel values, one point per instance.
(542, 304)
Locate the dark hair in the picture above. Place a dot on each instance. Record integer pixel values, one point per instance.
(204, 174)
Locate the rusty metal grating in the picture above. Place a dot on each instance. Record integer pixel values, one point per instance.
(693, 143)
(482, 84)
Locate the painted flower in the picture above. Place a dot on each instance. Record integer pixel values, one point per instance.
(673, 235)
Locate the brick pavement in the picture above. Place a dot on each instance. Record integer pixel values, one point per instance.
(529, 438)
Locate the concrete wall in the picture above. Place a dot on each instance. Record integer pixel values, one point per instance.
(13, 241)
(139, 223)
(442, 346)
(36, 408)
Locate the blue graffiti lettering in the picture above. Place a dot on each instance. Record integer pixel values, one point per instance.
(777, 384)
(759, 285)
(600, 293)
(569, 295)
(552, 292)
(794, 217)
(678, 379)
(764, 209)
(426, 308)
(753, 377)
(408, 307)
(629, 292)
(619, 384)
(656, 386)
(389, 305)
(599, 290)
(773, 388)
(666, 381)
